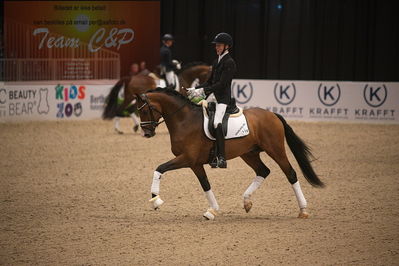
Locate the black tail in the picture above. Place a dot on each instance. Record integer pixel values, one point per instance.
(301, 153)
(111, 102)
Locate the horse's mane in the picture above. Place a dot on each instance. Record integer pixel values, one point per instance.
(175, 94)
(189, 65)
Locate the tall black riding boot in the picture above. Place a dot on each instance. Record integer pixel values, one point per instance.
(220, 147)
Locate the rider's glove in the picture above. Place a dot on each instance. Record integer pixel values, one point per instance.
(195, 93)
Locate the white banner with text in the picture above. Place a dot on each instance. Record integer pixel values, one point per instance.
(51, 102)
(371, 102)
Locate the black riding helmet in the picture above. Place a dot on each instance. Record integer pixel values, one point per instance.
(168, 37)
(224, 38)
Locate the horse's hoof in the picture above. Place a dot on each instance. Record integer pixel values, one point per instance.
(210, 214)
(135, 128)
(118, 131)
(156, 202)
(247, 205)
(303, 214)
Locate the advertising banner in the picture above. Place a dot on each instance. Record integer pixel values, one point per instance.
(126, 30)
(368, 102)
(51, 102)
(371, 102)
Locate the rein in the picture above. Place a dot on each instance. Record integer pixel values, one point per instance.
(152, 122)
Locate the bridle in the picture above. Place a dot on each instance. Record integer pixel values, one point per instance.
(154, 124)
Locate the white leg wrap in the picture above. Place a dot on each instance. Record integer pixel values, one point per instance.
(156, 180)
(299, 195)
(212, 200)
(135, 119)
(116, 123)
(254, 186)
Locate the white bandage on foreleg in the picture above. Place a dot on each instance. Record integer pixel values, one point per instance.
(254, 186)
(299, 195)
(135, 119)
(156, 180)
(211, 200)
(116, 119)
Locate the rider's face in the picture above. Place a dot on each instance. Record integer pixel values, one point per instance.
(219, 48)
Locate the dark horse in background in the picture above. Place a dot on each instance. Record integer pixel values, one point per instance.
(190, 73)
(193, 74)
(131, 85)
(191, 147)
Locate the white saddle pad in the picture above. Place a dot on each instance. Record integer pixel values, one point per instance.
(237, 125)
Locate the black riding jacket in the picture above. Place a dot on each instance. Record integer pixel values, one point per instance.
(166, 58)
(219, 82)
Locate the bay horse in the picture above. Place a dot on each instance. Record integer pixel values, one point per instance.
(190, 75)
(191, 147)
(191, 72)
(132, 85)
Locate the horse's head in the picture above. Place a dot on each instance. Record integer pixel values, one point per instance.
(149, 115)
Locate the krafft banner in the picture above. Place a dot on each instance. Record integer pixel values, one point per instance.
(371, 102)
(83, 29)
(51, 102)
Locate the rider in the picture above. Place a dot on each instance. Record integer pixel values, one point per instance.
(219, 83)
(167, 65)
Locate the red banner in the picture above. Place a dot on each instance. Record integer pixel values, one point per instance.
(128, 30)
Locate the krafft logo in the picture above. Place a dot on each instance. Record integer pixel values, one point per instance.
(329, 95)
(284, 93)
(375, 96)
(242, 92)
(67, 108)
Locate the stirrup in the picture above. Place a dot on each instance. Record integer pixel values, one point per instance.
(214, 163)
(222, 163)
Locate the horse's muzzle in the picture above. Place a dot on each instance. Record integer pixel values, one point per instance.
(149, 133)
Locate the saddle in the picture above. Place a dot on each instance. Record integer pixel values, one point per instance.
(234, 125)
(230, 110)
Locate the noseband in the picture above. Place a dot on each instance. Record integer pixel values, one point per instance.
(151, 108)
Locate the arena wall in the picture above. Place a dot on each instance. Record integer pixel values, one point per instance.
(296, 100)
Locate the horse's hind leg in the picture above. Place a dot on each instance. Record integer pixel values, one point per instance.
(261, 170)
(278, 154)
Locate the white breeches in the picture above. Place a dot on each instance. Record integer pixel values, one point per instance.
(220, 111)
(170, 78)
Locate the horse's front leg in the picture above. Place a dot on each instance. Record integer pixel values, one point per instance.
(176, 163)
(199, 171)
